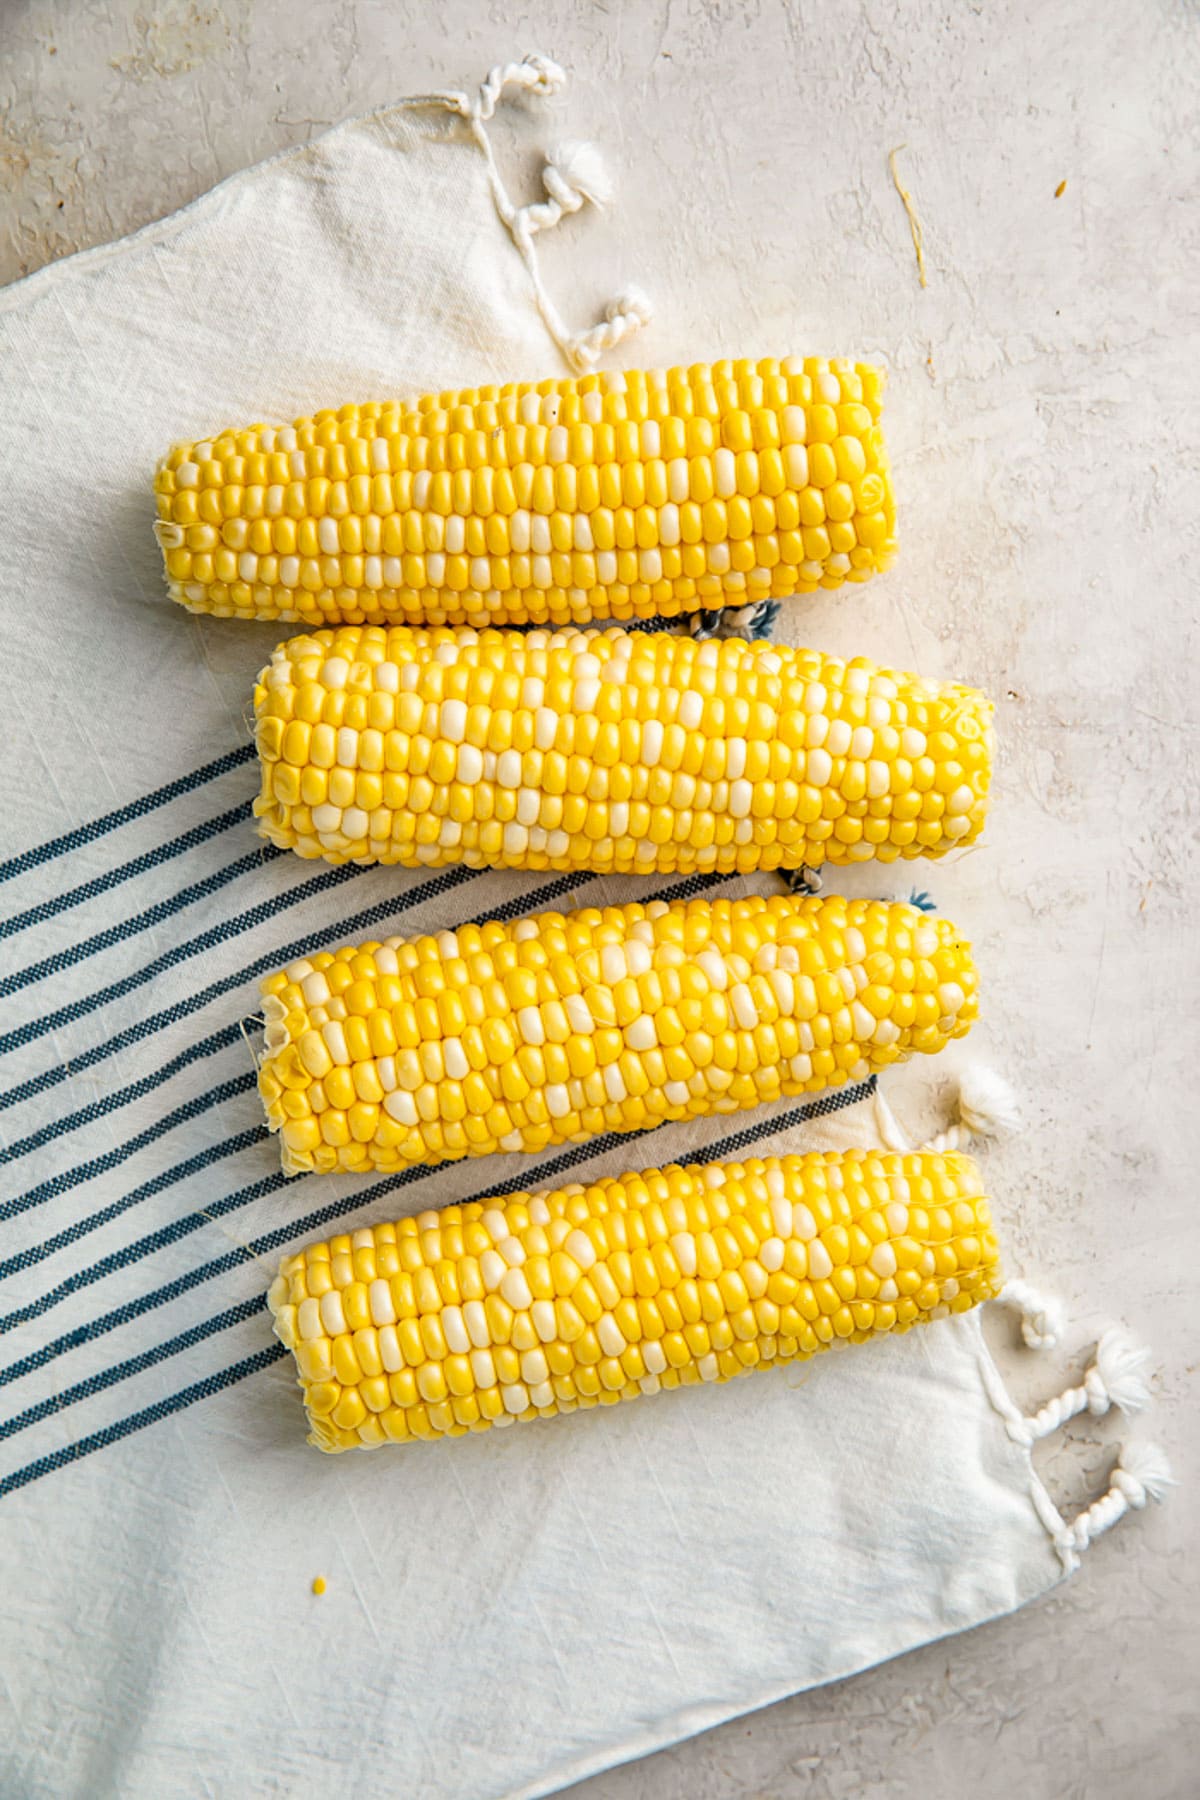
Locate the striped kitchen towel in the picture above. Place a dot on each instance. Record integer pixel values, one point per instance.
(143, 1197)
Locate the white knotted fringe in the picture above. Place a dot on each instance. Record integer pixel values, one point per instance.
(1142, 1474)
(1043, 1318)
(574, 176)
(1117, 1377)
(984, 1107)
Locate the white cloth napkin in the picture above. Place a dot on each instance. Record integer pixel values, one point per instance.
(503, 1614)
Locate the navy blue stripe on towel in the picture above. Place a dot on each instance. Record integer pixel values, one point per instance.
(124, 815)
(220, 934)
(111, 1159)
(112, 1102)
(140, 865)
(143, 921)
(205, 940)
(150, 1415)
(34, 1254)
(134, 1365)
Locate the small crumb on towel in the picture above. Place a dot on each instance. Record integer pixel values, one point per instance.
(318, 1586)
(1061, 189)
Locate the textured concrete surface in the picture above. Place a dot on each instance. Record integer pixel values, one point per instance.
(1043, 422)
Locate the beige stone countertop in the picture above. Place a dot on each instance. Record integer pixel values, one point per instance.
(1042, 420)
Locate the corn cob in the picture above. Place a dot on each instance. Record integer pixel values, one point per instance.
(617, 751)
(524, 1307)
(507, 1037)
(617, 496)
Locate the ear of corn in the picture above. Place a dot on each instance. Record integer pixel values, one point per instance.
(505, 1037)
(616, 496)
(520, 1308)
(618, 751)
